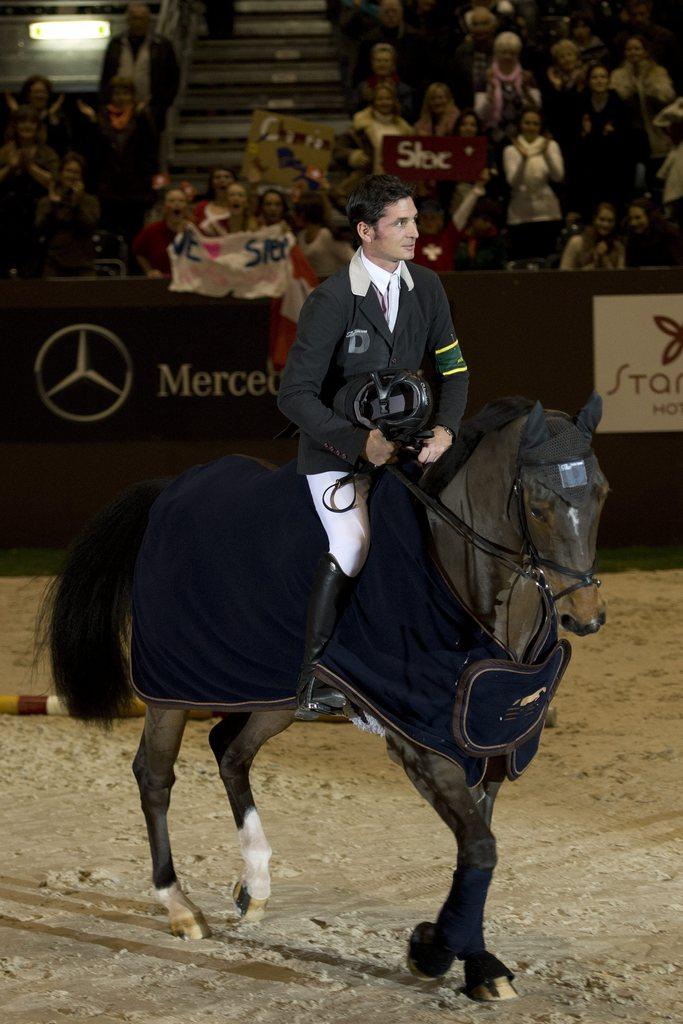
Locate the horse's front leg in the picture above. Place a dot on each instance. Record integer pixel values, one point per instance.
(153, 769)
(459, 929)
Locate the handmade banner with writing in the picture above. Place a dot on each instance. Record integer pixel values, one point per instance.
(287, 151)
(247, 265)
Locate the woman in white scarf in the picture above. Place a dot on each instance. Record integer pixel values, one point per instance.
(530, 164)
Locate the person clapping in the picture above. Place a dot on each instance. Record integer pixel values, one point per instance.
(66, 219)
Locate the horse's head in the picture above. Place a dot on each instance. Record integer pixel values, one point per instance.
(560, 491)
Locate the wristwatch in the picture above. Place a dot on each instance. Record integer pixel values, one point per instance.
(447, 429)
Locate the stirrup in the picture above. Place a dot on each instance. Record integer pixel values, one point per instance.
(317, 698)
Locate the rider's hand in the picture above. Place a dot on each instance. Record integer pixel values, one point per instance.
(377, 449)
(434, 447)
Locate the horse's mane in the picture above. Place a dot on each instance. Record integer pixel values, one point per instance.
(493, 416)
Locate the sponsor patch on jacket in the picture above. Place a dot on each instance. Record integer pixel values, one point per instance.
(449, 359)
(358, 341)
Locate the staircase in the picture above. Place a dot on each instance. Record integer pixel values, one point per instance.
(281, 58)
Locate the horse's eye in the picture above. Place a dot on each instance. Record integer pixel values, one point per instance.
(537, 513)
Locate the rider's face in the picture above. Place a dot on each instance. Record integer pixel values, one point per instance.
(394, 235)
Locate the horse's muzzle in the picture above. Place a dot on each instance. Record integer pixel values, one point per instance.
(572, 625)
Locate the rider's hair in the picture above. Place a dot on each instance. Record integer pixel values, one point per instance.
(372, 195)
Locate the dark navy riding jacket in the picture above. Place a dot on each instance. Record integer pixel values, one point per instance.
(343, 334)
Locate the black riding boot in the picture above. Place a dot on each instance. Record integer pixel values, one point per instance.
(328, 595)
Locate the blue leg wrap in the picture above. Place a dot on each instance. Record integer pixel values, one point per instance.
(460, 925)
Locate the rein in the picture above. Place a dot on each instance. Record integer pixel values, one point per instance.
(534, 571)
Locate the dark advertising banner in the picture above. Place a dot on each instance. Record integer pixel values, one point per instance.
(434, 157)
(174, 372)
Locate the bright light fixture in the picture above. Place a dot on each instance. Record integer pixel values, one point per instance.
(69, 29)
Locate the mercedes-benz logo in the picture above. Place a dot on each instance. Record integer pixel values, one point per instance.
(83, 373)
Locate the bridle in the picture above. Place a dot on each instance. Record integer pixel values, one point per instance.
(535, 562)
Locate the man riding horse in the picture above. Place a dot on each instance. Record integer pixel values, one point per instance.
(375, 315)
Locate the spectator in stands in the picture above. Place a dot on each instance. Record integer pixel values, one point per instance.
(671, 172)
(27, 169)
(37, 93)
(605, 20)
(325, 254)
(603, 153)
(510, 89)
(361, 149)
(66, 219)
(228, 210)
(646, 88)
(439, 113)
(567, 71)
(430, 17)
(582, 33)
(663, 45)
(534, 216)
(212, 213)
(503, 11)
(565, 81)
(272, 209)
(240, 219)
(148, 59)
(151, 244)
(598, 247)
(473, 57)
(438, 241)
(650, 240)
(408, 44)
(124, 141)
(383, 63)
(482, 247)
(469, 126)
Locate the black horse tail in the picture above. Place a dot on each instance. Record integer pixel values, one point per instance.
(85, 617)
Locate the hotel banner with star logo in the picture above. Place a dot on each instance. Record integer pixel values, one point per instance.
(638, 362)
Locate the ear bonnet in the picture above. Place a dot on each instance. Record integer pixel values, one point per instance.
(556, 451)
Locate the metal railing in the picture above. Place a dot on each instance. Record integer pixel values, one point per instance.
(177, 21)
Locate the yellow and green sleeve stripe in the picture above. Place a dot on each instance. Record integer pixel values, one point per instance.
(449, 359)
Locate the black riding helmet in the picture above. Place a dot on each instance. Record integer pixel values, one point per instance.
(397, 402)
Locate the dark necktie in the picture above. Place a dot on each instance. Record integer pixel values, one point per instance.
(383, 300)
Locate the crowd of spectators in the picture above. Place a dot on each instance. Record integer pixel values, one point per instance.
(576, 101)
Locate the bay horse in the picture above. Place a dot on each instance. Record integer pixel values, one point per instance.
(523, 505)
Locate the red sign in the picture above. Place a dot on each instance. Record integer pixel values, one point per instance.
(448, 157)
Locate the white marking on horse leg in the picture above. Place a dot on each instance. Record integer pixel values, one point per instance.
(186, 919)
(256, 853)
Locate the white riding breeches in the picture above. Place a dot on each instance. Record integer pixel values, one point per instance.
(348, 532)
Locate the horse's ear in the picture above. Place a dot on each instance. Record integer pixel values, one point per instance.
(589, 417)
(535, 430)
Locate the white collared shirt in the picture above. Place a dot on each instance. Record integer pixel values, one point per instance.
(384, 280)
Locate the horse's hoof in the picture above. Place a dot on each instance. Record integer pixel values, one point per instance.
(487, 980)
(250, 909)
(191, 926)
(428, 959)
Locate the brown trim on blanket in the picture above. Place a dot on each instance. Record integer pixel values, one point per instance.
(281, 703)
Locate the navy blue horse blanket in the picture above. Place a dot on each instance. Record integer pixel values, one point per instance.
(219, 608)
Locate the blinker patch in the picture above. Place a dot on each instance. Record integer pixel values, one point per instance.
(573, 474)
(449, 359)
